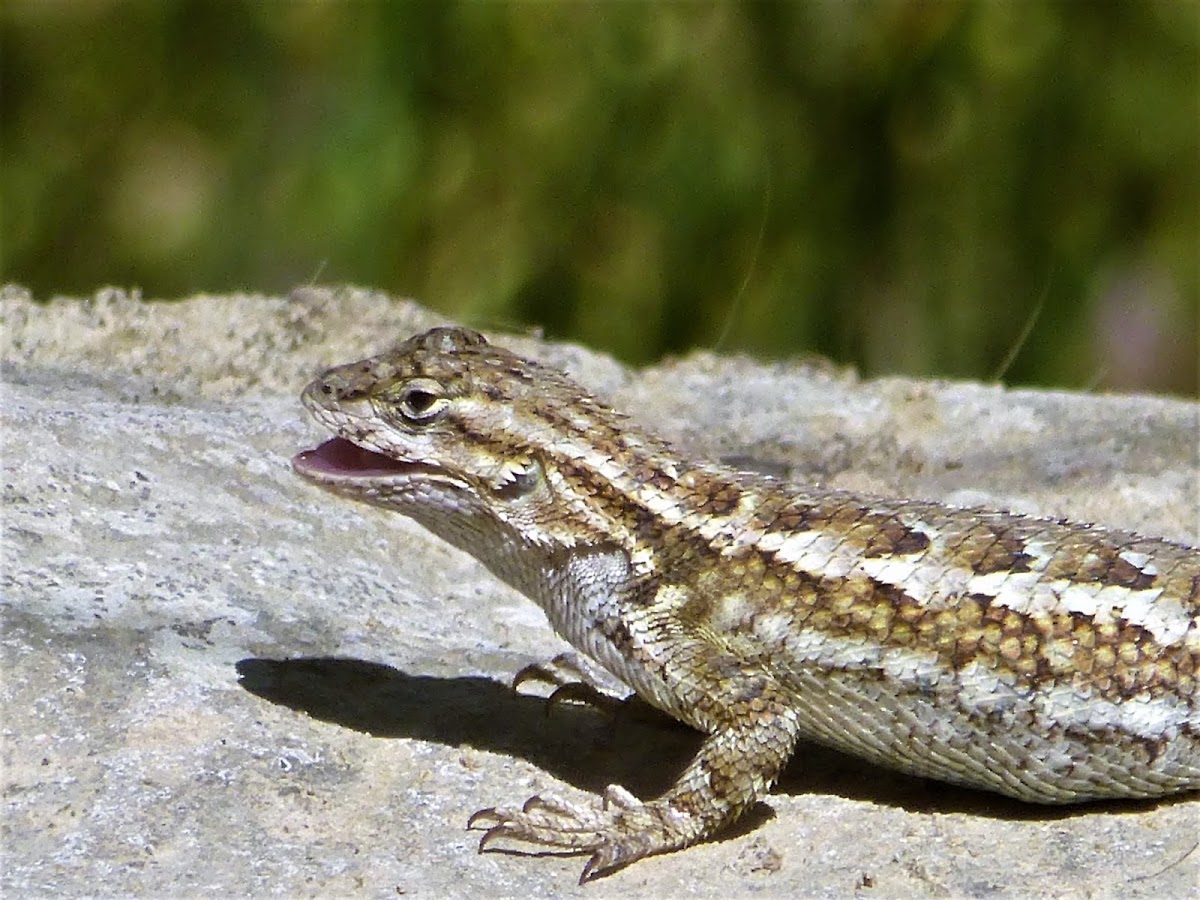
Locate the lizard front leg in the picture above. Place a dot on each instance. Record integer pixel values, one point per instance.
(736, 764)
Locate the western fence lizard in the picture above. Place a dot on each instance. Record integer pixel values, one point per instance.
(1050, 661)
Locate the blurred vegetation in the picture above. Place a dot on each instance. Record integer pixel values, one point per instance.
(899, 185)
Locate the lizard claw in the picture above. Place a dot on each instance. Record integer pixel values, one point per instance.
(616, 833)
(575, 680)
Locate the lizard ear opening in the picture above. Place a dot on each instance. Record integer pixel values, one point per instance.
(521, 482)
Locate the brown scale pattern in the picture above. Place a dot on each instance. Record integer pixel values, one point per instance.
(891, 537)
(972, 630)
(1120, 658)
(988, 547)
(687, 632)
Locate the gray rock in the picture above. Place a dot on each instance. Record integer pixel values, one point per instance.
(218, 680)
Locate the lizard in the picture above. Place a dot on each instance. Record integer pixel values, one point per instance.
(1043, 659)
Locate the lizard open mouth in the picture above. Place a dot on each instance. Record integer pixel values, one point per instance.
(339, 458)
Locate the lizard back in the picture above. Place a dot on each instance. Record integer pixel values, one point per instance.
(1045, 659)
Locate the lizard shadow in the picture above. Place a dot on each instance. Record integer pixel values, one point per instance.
(576, 744)
(639, 748)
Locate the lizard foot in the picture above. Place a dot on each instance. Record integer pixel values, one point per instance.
(622, 829)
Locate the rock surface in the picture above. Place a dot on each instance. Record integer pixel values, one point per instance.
(218, 680)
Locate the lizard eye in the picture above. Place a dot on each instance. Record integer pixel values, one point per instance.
(421, 401)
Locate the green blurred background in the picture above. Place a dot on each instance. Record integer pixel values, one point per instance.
(903, 186)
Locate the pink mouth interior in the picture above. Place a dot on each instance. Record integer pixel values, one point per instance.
(338, 456)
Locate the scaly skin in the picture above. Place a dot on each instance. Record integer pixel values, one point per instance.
(1046, 660)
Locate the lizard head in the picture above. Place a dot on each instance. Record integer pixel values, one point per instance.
(446, 426)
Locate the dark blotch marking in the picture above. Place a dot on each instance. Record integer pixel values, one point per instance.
(797, 518)
(892, 594)
(1006, 553)
(894, 538)
(1125, 574)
